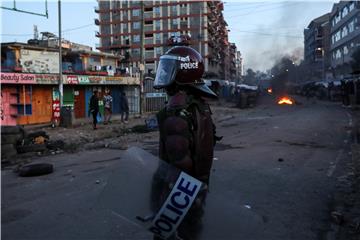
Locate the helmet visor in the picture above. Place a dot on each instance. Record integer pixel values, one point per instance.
(166, 72)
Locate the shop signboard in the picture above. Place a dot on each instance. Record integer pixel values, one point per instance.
(155, 94)
(83, 79)
(56, 107)
(47, 78)
(72, 79)
(96, 79)
(35, 61)
(14, 78)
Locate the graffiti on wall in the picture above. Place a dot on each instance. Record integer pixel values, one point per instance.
(39, 61)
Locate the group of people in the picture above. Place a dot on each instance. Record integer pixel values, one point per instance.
(108, 104)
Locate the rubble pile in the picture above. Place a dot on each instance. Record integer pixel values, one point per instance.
(17, 143)
(10, 135)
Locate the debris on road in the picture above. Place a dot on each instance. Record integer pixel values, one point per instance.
(337, 217)
(36, 169)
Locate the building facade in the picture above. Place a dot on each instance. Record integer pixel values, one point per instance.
(317, 47)
(345, 36)
(30, 79)
(124, 24)
(239, 66)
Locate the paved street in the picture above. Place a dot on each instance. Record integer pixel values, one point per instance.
(274, 175)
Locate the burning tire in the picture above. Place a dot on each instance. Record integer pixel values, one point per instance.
(36, 169)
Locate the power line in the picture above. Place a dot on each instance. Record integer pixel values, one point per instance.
(16, 35)
(262, 4)
(64, 31)
(76, 28)
(270, 34)
(263, 10)
(234, 8)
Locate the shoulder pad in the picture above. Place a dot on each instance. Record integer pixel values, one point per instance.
(179, 100)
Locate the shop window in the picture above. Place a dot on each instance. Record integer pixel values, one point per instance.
(24, 100)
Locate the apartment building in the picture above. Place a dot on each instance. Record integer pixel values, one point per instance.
(239, 66)
(123, 25)
(345, 35)
(317, 47)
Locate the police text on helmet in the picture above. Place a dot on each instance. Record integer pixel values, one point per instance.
(189, 65)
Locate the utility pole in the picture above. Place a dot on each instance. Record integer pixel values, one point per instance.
(142, 64)
(60, 57)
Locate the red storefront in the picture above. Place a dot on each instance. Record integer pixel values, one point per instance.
(26, 98)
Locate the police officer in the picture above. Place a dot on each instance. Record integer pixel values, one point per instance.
(187, 132)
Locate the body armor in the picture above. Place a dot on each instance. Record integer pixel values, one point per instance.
(187, 135)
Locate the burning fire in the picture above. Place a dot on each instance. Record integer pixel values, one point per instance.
(285, 100)
(269, 90)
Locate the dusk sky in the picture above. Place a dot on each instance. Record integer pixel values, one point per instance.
(263, 31)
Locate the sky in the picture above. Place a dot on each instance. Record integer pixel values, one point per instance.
(263, 31)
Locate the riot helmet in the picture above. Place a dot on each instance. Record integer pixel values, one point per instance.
(184, 66)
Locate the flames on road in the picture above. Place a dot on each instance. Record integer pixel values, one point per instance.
(285, 100)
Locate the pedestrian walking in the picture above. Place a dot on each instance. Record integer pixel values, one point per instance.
(94, 108)
(107, 106)
(124, 107)
(187, 132)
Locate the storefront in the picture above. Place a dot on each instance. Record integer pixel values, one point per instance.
(79, 89)
(34, 98)
(25, 99)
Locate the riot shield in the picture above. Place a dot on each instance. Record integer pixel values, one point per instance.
(168, 202)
